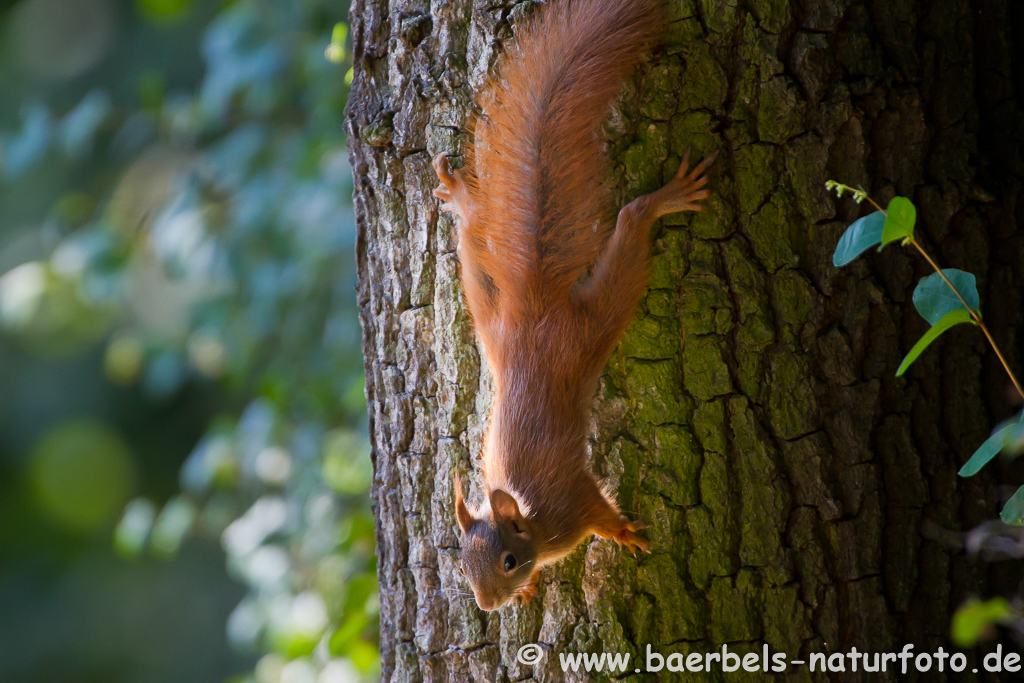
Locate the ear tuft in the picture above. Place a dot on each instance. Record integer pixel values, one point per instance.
(506, 509)
(462, 512)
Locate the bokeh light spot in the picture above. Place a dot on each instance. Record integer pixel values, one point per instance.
(21, 293)
(164, 11)
(82, 474)
(123, 359)
(61, 39)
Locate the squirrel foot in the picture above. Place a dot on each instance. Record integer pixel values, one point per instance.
(625, 535)
(529, 591)
(684, 191)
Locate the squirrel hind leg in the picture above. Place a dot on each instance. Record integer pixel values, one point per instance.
(620, 275)
(684, 191)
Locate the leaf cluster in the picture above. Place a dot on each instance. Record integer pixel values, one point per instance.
(946, 298)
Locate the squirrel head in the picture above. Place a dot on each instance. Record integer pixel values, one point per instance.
(498, 547)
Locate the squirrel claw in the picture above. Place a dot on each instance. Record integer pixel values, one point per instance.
(444, 174)
(626, 536)
(443, 194)
(450, 186)
(442, 168)
(529, 591)
(684, 191)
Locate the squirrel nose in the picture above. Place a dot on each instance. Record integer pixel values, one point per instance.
(486, 604)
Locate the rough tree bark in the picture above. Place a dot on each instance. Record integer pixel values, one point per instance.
(796, 491)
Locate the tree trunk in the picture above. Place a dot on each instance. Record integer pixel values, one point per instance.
(797, 493)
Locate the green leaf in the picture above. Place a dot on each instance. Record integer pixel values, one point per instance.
(353, 627)
(360, 588)
(1013, 442)
(336, 50)
(1013, 511)
(365, 656)
(340, 33)
(862, 234)
(899, 223)
(933, 298)
(949, 320)
(1007, 436)
(974, 619)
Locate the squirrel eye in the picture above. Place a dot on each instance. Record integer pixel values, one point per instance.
(510, 562)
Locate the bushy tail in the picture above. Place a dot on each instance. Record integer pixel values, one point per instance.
(537, 172)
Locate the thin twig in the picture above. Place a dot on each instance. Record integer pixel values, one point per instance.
(875, 204)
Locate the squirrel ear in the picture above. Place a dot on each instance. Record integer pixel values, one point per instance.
(462, 512)
(506, 509)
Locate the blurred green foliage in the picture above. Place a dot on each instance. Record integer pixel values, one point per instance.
(975, 620)
(82, 473)
(175, 209)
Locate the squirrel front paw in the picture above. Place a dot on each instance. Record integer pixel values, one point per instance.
(529, 590)
(625, 535)
(451, 192)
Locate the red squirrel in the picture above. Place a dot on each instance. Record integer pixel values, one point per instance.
(550, 285)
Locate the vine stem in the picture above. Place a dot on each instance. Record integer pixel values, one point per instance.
(974, 314)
